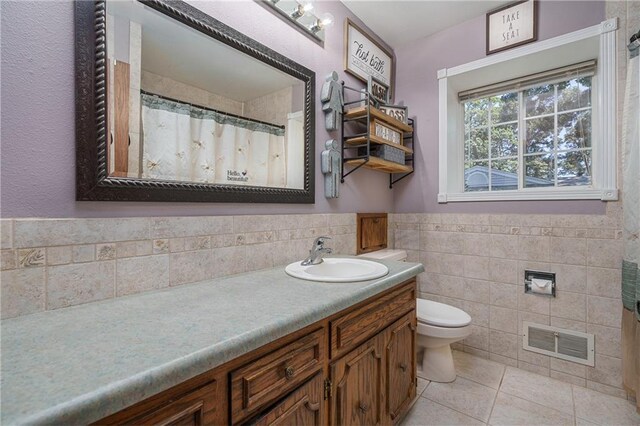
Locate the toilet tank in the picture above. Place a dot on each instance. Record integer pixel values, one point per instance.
(387, 254)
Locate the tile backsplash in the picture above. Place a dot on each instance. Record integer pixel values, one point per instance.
(476, 262)
(54, 263)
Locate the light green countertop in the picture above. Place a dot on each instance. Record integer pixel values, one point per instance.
(79, 364)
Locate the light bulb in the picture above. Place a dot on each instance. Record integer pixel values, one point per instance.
(302, 8)
(325, 20)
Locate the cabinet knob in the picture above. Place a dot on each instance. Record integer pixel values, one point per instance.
(363, 407)
(289, 372)
(402, 366)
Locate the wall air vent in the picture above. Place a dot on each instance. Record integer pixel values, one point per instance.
(564, 344)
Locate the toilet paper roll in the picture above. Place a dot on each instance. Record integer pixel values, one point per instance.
(541, 286)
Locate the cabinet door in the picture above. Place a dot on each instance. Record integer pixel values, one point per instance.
(400, 357)
(196, 408)
(358, 388)
(302, 407)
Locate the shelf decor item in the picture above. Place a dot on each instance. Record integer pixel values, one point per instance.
(512, 25)
(385, 131)
(364, 57)
(398, 112)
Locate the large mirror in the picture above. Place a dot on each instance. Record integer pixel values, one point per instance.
(184, 108)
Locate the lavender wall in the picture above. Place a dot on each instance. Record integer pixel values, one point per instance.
(417, 85)
(37, 168)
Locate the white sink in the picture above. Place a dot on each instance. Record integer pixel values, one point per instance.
(338, 270)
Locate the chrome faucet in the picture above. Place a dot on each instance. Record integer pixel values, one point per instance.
(317, 250)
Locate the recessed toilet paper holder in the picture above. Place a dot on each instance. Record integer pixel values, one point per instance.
(543, 283)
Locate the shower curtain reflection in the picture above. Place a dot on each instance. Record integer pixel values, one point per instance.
(182, 142)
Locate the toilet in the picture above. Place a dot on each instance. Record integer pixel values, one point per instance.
(439, 325)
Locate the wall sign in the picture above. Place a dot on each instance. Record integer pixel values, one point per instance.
(396, 111)
(387, 133)
(512, 25)
(378, 90)
(364, 57)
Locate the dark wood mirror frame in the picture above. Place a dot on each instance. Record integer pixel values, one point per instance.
(92, 180)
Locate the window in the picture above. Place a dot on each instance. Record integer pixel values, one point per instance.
(537, 122)
(533, 138)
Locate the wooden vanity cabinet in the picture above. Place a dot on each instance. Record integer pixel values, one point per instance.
(356, 367)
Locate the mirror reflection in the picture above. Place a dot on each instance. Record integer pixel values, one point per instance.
(185, 107)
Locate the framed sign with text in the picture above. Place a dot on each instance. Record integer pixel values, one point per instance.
(512, 25)
(364, 57)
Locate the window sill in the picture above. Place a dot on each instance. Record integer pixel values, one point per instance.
(532, 195)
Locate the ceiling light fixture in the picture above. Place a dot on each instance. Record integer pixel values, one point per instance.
(301, 15)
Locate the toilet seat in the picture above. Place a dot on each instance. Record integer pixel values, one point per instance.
(441, 315)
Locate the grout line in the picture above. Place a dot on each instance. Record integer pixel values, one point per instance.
(453, 409)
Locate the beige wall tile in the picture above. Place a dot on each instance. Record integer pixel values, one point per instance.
(190, 266)
(511, 362)
(568, 367)
(607, 370)
(503, 344)
(23, 291)
(503, 319)
(479, 338)
(604, 311)
(228, 261)
(174, 227)
(59, 255)
(569, 324)
(84, 253)
(533, 368)
(31, 257)
(259, 256)
(568, 378)
(8, 259)
(569, 277)
(504, 246)
(533, 248)
(605, 253)
(604, 282)
(571, 251)
(6, 233)
(476, 290)
(569, 305)
(605, 389)
(58, 232)
(126, 249)
(476, 244)
(503, 271)
(75, 284)
(531, 357)
(476, 267)
(408, 240)
(536, 303)
(138, 274)
(505, 295)
(106, 251)
(608, 340)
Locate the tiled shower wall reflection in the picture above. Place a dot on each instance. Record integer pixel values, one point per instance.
(476, 262)
(54, 263)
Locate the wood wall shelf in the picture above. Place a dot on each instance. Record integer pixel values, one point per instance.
(360, 140)
(361, 112)
(381, 165)
(379, 129)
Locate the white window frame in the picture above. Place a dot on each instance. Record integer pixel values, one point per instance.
(596, 42)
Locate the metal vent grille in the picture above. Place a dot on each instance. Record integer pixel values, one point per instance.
(564, 344)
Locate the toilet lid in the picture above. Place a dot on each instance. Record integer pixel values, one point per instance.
(434, 313)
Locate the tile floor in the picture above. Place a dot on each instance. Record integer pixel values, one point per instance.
(487, 392)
